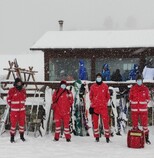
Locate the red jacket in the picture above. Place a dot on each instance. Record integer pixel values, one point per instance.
(16, 99)
(65, 101)
(99, 96)
(139, 97)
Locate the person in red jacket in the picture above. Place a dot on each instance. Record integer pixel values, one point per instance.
(139, 97)
(62, 102)
(16, 100)
(99, 97)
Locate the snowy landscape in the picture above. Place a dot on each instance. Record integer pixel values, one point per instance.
(85, 147)
(26, 27)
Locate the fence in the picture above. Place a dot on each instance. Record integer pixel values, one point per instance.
(35, 110)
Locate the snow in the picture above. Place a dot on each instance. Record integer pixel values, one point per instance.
(95, 39)
(84, 147)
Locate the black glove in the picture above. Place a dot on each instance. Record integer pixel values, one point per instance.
(91, 110)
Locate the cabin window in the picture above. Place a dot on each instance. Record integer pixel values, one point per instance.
(124, 64)
(150, 61)
(67, 69)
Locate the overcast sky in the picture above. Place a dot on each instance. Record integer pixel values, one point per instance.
(22, 22)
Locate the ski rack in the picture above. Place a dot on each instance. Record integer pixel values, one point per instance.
(36, 122)
(41, 125)
(4, 116)
(16, 71)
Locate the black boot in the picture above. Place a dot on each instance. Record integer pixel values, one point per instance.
(22, 137)
(68, 140)
(147, 139)
(12, 139)
(107, 140)
(118, 133)
(55, 140)
(97, 139)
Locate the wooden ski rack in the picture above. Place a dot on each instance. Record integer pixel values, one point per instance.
(21, 73)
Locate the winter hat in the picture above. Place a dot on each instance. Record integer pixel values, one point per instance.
(135, 66)
(98, 75)
(63, 82)
(81, 62)
(105, 66)
(16, 81)
(139, 77)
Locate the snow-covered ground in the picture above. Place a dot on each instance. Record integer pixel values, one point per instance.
(86, 147)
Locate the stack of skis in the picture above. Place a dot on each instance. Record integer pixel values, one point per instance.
(40, 116)
(119, 110)
(79, 119)
(4, 119)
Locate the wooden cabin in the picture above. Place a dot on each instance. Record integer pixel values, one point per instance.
(119, 49)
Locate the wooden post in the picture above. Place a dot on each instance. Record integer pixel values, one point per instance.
(93, 68)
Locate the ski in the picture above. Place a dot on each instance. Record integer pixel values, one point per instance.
(80, 119)
(36, 115)
(4, 119)
(47, 107)
(114, 113)
(36, 121)
(123, 110)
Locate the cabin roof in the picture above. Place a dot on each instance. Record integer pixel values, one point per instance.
(95, 39)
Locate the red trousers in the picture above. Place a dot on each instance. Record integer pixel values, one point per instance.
(17, 117)
(143, 117)
(105, 121)
(59, 120)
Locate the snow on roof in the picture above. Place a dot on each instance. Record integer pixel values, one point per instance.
(95, 39)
